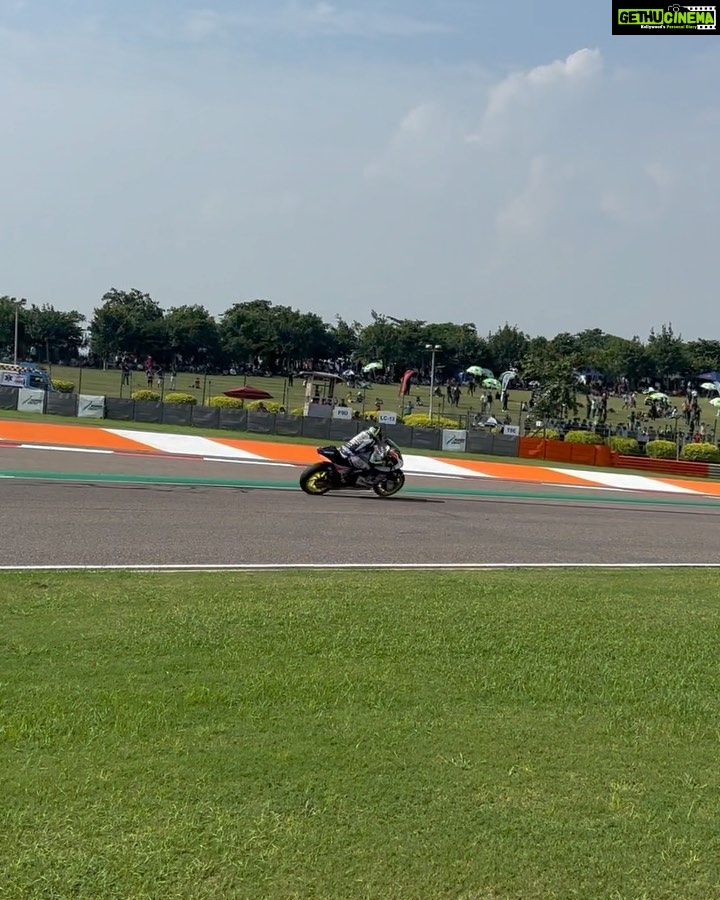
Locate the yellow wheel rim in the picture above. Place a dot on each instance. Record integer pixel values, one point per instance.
(313, 483)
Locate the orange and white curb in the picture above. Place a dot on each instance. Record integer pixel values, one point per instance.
(91, 439)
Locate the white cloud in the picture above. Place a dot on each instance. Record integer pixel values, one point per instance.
(528, 211)
(420, 148)
(518, 95)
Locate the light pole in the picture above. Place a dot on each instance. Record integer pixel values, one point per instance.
(17, 304)
(434, 349)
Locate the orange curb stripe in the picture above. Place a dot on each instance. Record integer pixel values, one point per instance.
(66, 436)
(290, 453)
(515, 472)
(706, 487)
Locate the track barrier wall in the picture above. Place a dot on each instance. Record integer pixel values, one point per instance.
(564, 451)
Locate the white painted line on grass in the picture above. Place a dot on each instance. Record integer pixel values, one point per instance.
(363, 567)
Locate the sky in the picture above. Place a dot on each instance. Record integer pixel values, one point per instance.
(444, 160)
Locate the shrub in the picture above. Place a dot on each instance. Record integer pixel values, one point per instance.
(421, 420)
(298, 411)
(269, 405)
(549, 433)
(701, 453)
(225, 402)
(180, 398)
(145, 394)
(65, 387)
(583, 437)
(625, 446)
(660, 449)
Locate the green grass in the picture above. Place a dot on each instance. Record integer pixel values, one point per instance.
(95, 381)
(406, 735)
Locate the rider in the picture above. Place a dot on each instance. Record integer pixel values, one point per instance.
(360, 450)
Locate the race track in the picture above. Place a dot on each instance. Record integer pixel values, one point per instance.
(70, 509)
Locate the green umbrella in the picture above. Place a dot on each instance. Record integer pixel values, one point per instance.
(492, 383)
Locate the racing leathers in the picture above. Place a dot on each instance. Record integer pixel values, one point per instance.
(362, 450)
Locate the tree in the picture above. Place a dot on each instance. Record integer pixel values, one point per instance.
(128, 322)
(344, 338)
(299, 337)
(54, 334)
(247, 332)
(378, 341)
(668, 354)
(506, 347)
(627, 359)
(703, 356)
(193, 335)
(8, 309)
(279, 336)
(568, 346)
(557, 397)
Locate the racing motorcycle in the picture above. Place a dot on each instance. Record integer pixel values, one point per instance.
(385, 478)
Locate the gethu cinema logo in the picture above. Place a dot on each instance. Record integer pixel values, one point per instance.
(675, 16)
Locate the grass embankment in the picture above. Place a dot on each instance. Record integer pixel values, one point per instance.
(504, 735)
(95, 381)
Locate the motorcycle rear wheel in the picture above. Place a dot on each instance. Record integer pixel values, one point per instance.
(316, 479)
(391, 486)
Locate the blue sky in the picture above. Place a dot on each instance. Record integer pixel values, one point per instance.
(436, 159)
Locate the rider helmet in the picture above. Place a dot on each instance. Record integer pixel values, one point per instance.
(375, 431)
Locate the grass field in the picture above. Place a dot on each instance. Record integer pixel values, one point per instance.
(95, 381)
(476, 737)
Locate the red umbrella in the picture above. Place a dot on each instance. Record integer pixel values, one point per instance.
(248, 393)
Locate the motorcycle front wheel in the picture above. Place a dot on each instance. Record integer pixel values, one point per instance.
(316, 480)
(391, 486)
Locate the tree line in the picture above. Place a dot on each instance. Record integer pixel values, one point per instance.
(279, 338)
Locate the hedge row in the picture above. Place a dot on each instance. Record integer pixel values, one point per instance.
(630, 447)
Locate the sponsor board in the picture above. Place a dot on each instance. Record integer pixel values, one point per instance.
(455, 441)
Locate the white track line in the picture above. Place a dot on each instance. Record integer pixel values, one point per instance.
(248, 462)
(585, 487)
(64, 449)
(361, 567)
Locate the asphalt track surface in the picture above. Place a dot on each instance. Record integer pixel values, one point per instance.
(65, 509)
